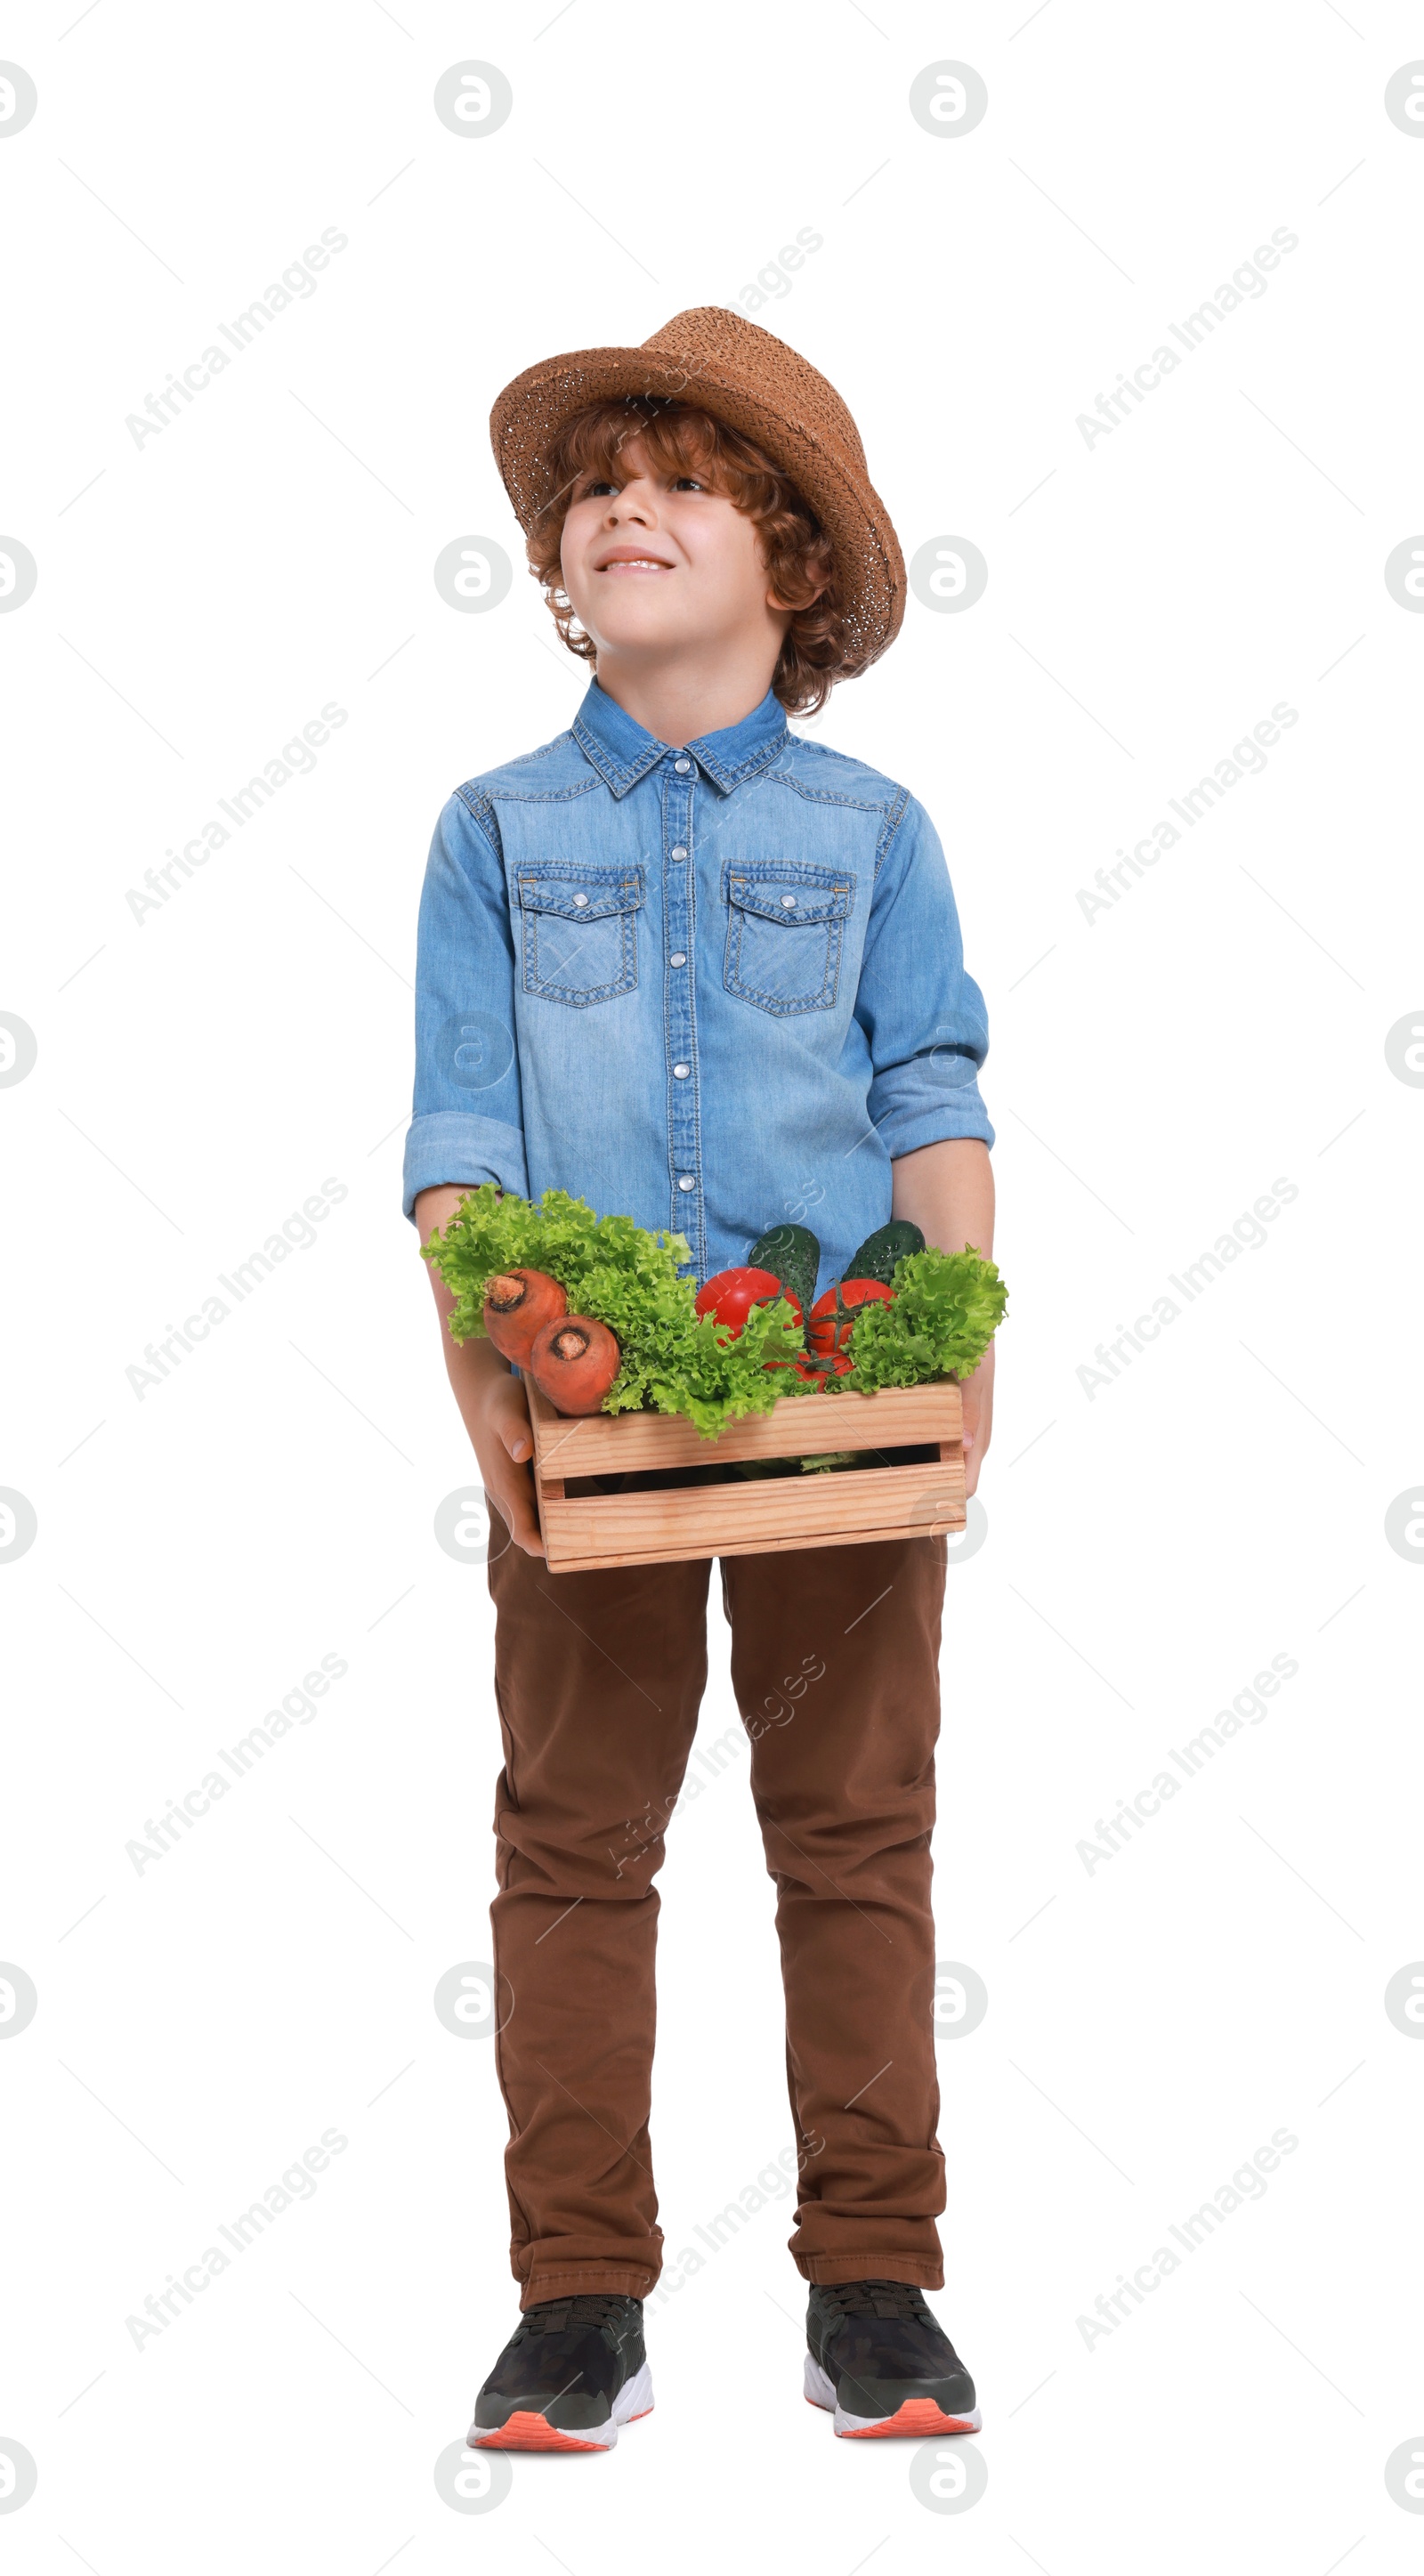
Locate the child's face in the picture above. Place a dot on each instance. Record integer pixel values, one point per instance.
(655, 561)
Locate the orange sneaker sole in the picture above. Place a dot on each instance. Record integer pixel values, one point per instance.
(528, 2432)
(917, 2417)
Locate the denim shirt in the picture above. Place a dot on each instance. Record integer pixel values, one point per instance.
(710, 986)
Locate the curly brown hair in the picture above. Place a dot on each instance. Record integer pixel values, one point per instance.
(680, 438)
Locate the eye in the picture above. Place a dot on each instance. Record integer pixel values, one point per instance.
(687, 483)
(594, 490)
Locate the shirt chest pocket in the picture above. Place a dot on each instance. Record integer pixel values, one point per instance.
(580, 932)
(785, 927)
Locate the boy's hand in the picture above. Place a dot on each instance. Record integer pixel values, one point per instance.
(498, 1425)
(978, 1396)
(492, 1402)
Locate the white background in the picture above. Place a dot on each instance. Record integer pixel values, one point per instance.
(1152, 1073)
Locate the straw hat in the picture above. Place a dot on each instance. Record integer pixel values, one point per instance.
(729, 366)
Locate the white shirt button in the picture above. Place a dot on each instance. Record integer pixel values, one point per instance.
(682, 1071)
(580, 900)
(679, 852)
(682, 765)
(789, 901)
(685, 1181)
(677, 958)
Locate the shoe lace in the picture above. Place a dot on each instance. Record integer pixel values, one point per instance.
(587, 2308)
(897, 2299)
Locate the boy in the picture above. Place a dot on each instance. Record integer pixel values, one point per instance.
(699, 970)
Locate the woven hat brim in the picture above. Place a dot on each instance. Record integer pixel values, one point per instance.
(533, 409)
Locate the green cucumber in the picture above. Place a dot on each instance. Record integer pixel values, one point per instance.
(792, 1255)
(880, 1251)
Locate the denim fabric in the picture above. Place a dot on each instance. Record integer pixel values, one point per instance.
(711, 987)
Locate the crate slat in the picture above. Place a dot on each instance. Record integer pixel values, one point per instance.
(742, 1547)
(601, 1444)
(742, 1519)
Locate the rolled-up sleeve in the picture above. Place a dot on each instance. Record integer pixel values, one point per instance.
(923, 1016)
(467, 1124)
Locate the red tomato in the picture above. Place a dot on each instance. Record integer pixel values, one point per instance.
(730, 1295)
(818, 1370)
(833, 1315)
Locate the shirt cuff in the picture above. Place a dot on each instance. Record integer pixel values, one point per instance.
(450, 1145)
(908, 1124)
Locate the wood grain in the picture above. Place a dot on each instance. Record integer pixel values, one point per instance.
(602, 1444)
(744, 1519)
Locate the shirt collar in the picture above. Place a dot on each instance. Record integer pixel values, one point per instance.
(623, 751)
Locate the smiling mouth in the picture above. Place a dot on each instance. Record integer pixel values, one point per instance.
(636, 563)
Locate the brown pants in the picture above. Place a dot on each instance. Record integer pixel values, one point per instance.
(598, 1679)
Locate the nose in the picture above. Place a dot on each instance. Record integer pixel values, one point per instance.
(636, 501)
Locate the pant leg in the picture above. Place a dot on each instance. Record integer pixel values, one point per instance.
(835, 1666)
(598, 1680)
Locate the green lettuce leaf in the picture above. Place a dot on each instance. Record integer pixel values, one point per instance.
(944, 1313)
(674, 1360)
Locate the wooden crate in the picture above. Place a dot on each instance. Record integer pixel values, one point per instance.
(748, 1516)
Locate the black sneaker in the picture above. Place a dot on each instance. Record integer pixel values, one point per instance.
(573, 2370)
(881, 2364)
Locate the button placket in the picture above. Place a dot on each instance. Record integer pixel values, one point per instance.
(680, 1031)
